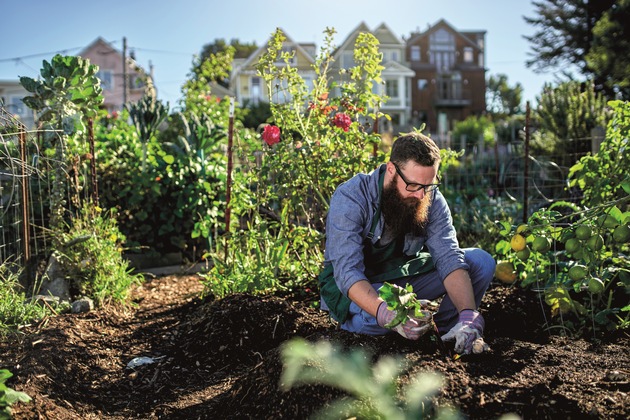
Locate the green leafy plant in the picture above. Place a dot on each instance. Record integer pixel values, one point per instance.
(91, 253)
(67, 93)
(317, 141)
(9, 396)
(15, 309)
(270, 268)
(373, 390)
(401, 300)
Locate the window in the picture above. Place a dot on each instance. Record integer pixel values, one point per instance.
(442, 48)
(468, 55)
(391, 88)
(256, 92)
(107, 79)
(395, 56)
(415, 53)
(422, 84)
(16, 106)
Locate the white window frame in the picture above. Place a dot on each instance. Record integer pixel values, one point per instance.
(391, 88)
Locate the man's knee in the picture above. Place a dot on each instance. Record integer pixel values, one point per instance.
(482, 266)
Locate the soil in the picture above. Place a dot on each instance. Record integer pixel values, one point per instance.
(221, 359)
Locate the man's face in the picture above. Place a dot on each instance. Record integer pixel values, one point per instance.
(406, 211)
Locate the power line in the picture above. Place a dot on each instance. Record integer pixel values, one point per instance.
(25, 57)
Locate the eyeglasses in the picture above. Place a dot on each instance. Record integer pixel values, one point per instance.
(412, 186)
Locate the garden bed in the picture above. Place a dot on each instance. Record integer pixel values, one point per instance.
(220, 359)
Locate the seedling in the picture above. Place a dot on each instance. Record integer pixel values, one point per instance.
(404, 302)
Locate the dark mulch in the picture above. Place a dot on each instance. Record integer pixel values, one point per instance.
(221, 359)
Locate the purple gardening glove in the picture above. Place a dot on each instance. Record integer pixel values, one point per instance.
(412, 329)
(468, 333)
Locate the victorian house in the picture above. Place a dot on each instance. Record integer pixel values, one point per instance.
(396, 75)
(249, 87)
(120, 83)
(449, 76)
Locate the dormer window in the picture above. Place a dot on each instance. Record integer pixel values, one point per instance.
(442, 50)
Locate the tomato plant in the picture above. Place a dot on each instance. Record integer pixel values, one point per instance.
(579, 252)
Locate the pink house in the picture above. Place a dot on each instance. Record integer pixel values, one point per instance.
(120, 84)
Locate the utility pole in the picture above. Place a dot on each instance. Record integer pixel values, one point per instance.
(124, 70)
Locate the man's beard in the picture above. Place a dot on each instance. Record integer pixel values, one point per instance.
(404, 215)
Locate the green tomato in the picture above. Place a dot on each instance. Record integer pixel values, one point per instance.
(583, 232)
(607, 221)
(573, 245)
(595, 242)
(578, 272)
(595, 285)
(523, 254)
(541, 244)
(621, 234)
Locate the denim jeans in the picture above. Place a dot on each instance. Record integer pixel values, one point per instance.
(429, 286)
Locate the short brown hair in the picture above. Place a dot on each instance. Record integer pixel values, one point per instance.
(417, 147)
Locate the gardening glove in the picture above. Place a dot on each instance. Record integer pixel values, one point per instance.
(412, 328)
(468, 333)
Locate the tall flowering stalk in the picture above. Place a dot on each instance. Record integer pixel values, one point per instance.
(325, 138)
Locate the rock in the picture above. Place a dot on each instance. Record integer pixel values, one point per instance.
(54, 282)
(84, 304)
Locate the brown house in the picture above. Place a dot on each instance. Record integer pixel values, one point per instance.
(450, 77)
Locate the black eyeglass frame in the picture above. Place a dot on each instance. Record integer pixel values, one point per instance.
(427, 188)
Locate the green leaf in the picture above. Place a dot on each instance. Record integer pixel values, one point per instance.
(28, 83)
(503, 247)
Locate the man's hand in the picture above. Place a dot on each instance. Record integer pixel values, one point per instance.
(412, 328)
(468, 333)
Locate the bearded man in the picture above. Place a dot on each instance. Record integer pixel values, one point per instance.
(394, 225)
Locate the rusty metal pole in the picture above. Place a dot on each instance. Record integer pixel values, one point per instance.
(26, 237)
(526, 168)
(93, 162)
(228, 190)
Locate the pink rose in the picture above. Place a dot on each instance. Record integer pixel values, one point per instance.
(342, 120)
(271, 135)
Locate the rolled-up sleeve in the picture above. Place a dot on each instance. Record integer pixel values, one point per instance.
(442, 239)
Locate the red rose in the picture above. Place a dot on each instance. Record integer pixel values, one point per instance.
(271, 135)
(342, 120)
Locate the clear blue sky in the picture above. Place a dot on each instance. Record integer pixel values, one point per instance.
(168, 33)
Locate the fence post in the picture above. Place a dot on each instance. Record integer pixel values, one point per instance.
(26, 240)
(526, 170)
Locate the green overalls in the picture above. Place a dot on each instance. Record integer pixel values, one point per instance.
(382, 263)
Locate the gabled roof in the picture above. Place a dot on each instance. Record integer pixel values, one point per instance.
(99, 42)
(351, 38)
(263, 47)
(392, 67)
(444, 24)
(105, 48)
(386, 36)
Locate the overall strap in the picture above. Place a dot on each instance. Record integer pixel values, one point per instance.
(377, 214)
